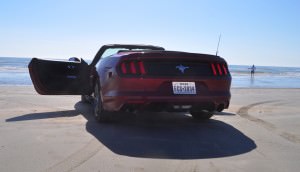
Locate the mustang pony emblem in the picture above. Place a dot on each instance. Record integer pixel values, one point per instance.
(182, 68)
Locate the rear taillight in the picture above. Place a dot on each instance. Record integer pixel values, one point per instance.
(213, 69)
(142, 68)
(132, 68)
(219, 69)
(123, 68)
(225, 69)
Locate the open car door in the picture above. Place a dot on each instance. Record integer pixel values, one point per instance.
(60, 77)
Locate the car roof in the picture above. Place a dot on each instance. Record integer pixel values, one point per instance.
(134, 46)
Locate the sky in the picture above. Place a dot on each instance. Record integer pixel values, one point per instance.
(260, 32)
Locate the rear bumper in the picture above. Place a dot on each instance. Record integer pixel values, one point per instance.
(150, 102)
(157, 94)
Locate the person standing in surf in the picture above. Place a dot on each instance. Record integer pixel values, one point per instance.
(252, 70)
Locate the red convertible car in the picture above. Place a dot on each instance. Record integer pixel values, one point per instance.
(139, 77)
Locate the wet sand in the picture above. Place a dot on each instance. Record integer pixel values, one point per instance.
(259, 132)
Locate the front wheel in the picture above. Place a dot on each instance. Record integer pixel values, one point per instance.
(201, 115)
(100, 114)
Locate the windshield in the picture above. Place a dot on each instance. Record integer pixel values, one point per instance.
(110, 51)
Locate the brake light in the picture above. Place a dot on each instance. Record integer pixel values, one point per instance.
(213, 69)
(132, 68)
(225, 70)
(219, 69)
(142, 68)
(123, 68)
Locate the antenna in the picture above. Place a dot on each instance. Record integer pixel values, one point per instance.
(218, 45)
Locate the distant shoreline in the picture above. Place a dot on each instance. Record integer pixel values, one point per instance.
(14, 71)
(90, 59)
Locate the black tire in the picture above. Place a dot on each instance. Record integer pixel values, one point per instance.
(84, 99)
(202, 114)
(100, 114)
(220, 108)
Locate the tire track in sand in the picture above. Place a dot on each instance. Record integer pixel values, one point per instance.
(243, 112)
(77, 158)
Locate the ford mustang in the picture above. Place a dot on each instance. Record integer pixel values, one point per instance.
(139, 78)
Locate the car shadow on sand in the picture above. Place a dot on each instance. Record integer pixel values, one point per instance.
(158, 135)
(166, 135)
(44, 115)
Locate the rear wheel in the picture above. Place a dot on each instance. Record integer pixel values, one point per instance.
(85, 99)
(100, 114)
(202, 114)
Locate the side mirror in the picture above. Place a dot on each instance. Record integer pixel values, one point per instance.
(74, 59)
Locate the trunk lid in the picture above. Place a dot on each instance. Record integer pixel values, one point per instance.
(173, 64)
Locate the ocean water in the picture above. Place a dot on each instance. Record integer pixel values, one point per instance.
(265, 77)
(14, 71)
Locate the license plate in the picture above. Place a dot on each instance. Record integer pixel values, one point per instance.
(184, 87)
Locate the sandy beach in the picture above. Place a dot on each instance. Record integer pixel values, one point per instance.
(259, 132)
